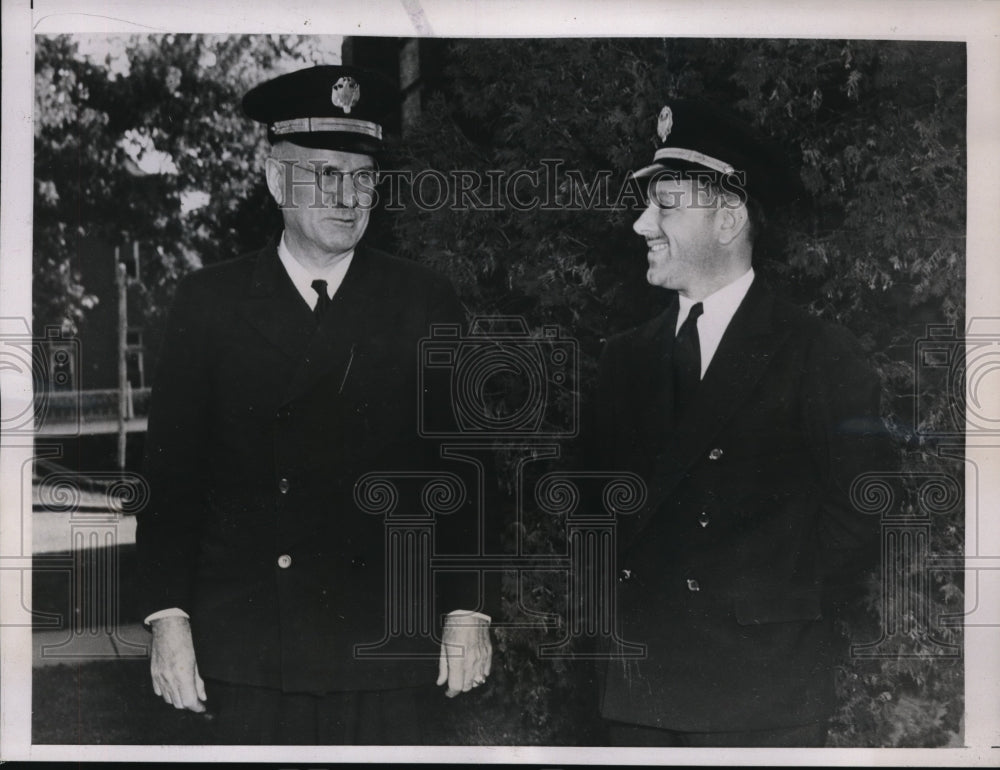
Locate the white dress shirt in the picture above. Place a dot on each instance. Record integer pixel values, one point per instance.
(303, 277)
(719, 309)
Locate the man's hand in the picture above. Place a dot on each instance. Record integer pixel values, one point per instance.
(172, 664)
(466, 653)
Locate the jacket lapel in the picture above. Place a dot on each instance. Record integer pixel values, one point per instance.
(655, 395)
(274, 307)
(744, 353)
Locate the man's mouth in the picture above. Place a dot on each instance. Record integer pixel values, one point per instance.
(657, 245)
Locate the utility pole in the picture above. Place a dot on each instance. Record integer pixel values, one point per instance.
(121, 280)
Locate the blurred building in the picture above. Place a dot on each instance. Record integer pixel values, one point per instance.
(415, 65)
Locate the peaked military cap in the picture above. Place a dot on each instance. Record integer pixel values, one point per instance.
(330, 107)
(695, 137)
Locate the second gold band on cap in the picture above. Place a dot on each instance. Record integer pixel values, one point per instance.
(312, 125)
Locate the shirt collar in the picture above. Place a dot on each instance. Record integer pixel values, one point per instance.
(303, 277)
(720, 306)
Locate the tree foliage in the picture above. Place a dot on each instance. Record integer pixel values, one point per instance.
(141, 138)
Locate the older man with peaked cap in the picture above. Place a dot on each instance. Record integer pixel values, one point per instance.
(285, 376)
(749, 419)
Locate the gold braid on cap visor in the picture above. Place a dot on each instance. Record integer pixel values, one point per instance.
(316, 125)
(691, 156)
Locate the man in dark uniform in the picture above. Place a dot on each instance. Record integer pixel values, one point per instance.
(749, 419)
(287, 375)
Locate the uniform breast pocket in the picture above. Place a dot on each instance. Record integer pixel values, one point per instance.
(381, 392)
(368, 372)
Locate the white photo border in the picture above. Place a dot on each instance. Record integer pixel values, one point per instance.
(975, 23)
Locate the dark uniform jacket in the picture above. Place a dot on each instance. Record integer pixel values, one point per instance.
(260, 425)
(748, 539)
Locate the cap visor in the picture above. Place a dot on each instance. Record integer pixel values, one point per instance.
(345, 142)
(647, 171)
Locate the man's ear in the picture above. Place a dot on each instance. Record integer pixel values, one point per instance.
(275, 171)
(732, 218)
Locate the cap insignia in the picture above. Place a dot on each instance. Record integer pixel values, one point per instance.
(664, 123)
(345, 94)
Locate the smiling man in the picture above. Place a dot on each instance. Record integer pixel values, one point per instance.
(285, 376)
(749, 419)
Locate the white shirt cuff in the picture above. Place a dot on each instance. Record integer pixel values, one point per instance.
(173, 612)
(478, 615)
(177, 612)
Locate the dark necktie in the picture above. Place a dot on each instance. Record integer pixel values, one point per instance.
(322, 301)
(687, 360)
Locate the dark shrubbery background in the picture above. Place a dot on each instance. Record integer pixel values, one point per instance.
(876, 128)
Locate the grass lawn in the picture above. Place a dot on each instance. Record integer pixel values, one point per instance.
(109, 702)
(112, 703)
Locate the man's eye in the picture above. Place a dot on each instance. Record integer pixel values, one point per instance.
(329, 173)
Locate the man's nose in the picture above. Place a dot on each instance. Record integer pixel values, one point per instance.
(344, 193)
(647, 224)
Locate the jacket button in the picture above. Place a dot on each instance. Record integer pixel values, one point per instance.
(703, 519)
(715, 454)
(284, 561)
(284, 486)
(693, 585)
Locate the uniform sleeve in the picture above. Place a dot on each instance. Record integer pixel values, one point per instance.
(457, 532)
(848, 437)
(169, 528)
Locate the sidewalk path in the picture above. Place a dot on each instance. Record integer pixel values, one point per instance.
(55, 532)
(52, 648)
